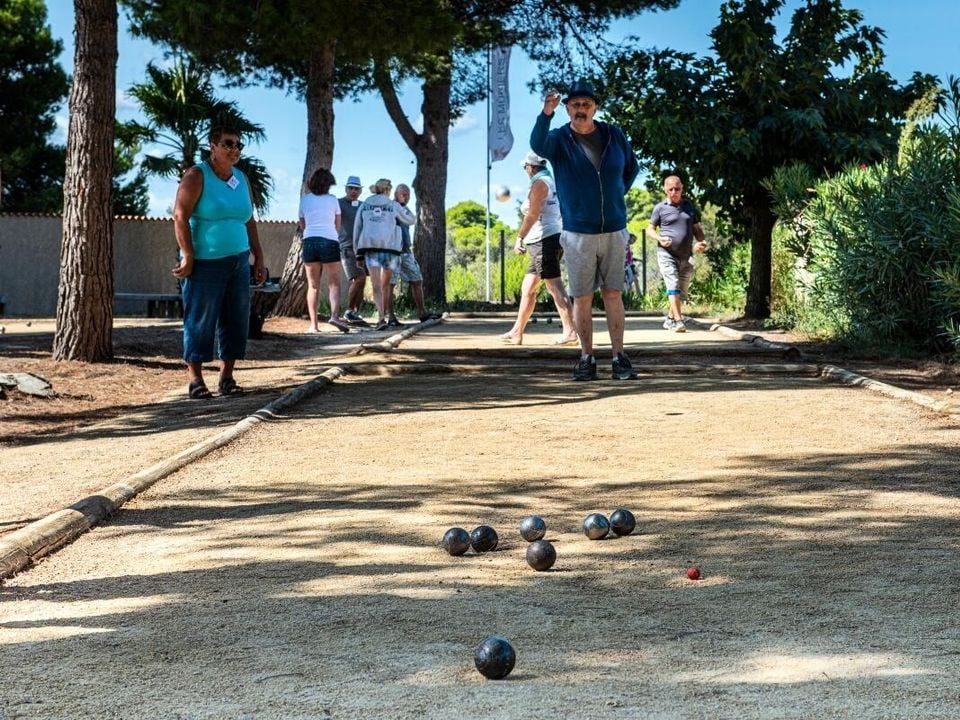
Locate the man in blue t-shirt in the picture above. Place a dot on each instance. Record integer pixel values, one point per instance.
(674, 223)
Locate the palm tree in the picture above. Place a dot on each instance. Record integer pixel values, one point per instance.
(181, 107)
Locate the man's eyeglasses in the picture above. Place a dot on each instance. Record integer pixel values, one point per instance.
(231, 145)
(582, 105)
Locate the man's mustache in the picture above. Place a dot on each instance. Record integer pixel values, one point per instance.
(580, 116)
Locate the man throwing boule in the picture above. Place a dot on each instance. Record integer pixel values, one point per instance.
(594, 166)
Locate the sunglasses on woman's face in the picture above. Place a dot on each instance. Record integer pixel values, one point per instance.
(231, 145)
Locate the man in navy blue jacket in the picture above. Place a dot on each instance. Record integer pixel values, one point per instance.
(593, 166)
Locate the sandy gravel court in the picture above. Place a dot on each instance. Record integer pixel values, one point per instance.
(296, 573)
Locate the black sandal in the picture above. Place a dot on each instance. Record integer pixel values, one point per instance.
(198, 390)
(228, 386)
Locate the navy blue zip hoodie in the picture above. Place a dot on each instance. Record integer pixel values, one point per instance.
(591, 202)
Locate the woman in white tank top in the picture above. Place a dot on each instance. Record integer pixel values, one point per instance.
(539, 235)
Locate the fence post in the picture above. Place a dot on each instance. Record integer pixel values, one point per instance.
(643, 261)
(503, 265)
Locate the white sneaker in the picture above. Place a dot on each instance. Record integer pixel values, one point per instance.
(678, 326)
(668, 323)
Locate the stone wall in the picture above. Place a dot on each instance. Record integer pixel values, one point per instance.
(144, 252)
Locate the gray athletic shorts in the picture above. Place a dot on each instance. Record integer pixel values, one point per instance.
(409, 269)
(676, 272)
(349, 261)
(594, 261)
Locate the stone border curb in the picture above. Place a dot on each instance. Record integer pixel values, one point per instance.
(21, 548)
(838, 374)
(391, 342)
(791, 352)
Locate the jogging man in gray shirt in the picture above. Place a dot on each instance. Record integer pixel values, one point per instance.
(674, 223)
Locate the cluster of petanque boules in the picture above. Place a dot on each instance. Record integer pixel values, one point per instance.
(495, 657)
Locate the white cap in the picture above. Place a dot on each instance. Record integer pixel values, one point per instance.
(531, 158)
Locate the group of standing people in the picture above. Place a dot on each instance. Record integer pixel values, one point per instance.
(369, 238)
(217, 235)
(577, 212)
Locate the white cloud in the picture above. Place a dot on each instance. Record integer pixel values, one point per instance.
(464, 124)
(125, 102)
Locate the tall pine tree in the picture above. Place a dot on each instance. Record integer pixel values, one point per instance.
(32, 88)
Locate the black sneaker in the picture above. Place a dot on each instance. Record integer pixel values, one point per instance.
(382, 325)
(355, 319)
(622, 369)
(586, 368)
(429, 316)
(394, 323)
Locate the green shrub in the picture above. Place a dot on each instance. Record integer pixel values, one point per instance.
(883, 243)
(463, 284)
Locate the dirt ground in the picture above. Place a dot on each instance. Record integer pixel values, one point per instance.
(296, 573)
(147, 369)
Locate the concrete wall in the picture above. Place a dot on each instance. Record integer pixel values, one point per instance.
(144, 252)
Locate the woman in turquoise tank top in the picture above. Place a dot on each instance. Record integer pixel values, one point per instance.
(216, 232)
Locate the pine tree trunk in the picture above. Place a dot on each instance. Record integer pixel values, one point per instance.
(430, 185)
(431, 149)
(85, 296)
(319, 97)
(761, 260)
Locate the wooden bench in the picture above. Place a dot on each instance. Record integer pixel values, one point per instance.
(166, 305)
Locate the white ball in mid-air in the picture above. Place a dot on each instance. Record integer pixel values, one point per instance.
(503, 193)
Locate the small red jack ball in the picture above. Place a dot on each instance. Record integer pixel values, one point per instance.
(693, 572)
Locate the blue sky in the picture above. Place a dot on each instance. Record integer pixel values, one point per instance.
(921, 35)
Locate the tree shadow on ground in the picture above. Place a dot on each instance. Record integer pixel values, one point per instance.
(823, 588)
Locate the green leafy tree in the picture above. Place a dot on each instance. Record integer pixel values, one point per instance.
(32, 87)
(318, 51)
(561, 37)
(181, 107)
(817, 95)
(467, 233)
(880, 247)
(468, 213)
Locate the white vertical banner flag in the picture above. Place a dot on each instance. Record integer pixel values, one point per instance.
(499, 137)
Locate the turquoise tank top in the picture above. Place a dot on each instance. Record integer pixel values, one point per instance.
(218, 225)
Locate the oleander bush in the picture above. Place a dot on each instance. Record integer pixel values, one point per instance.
(882, 243)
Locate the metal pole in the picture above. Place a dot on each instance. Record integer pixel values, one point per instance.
(487, 151)
(503, 265)
(643, 261)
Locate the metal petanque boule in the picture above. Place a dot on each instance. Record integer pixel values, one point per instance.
(494, 657)
(483, 538)
(532, 528)
(541, 555)
(456, 541)
(596, 526)
(622, 521)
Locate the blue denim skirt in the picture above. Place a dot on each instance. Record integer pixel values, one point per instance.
(320, 250)
(216, 308)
